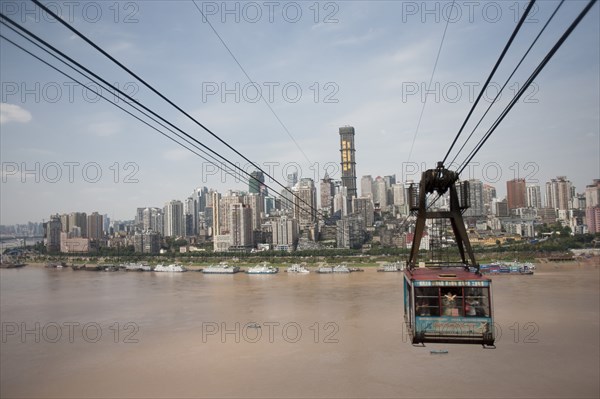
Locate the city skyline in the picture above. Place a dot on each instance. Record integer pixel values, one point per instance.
(379, 93)
(301, 205)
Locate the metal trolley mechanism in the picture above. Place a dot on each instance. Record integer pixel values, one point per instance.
(446, 302)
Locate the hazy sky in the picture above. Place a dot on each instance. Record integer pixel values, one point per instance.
(319, 66)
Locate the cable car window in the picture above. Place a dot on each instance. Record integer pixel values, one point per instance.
(428, 301)
(477, 302)
(452, 301)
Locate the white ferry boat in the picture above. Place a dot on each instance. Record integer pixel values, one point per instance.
(296, 268)
(336, 269)
(170, 268)
(135, 267)
(391, 267)
(262, 269)
(222, 268)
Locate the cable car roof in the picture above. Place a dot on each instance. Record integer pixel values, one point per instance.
(445, 274)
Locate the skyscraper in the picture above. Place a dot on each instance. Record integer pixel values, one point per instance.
(349, 232)
(380, 192)
(53, 230)
(285, 233)
(78, 221)
(340, 200)
(153, 220)
(305, 202)
(174, 225)
(477, 207)
(256, 202)
(256, 183)
(292, 179)
(489, 195)
(348, 162)
(366, 186)
(389, 182)
(534, 196)
(558, 193)
(327, 192)
(94, 226)
(363, 206)
(516, 193)
(190, 221)
(215, 202)
(240, 222)
(64, 220)
(199, 199)
(232, 197)
(399, 194)
(592, 206)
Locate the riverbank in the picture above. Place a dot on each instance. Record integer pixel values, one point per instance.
(540, 263)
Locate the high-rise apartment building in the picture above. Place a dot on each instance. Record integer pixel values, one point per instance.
(64, 220)
(380, 195)
(138, 218)
(53, 231)
(292, 179)
(516, 193)
(350, 232)
(94, 226)
(477, 208)
(190, 219)
(340, 201)
(327, 191)
(305, 202)
(366, 186)
(285, 233)
(78, 224)
(174, 225)
(215, 204)
(558, 193)
(489, 195)
(147, 242)
(592, 206)
(152, 220)
(363, 206)
(240, 222)
(534, 196)
(256, 202)
(232, 197)
(399, 194)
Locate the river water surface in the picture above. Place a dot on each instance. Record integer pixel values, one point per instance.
(84, 334)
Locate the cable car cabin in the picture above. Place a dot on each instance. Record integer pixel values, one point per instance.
(448, 305)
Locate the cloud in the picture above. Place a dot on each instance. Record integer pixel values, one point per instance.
(120, 46)
(13, 113)
(370, 35)
(104, 129)
(177, 154)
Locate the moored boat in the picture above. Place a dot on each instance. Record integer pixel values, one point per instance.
(391, 267)
(173, 268)
(297, 268)
(222, 268)
(262, 269)
(135, 267)
(331, 269)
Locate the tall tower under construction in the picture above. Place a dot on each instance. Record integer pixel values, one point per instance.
(348, 162)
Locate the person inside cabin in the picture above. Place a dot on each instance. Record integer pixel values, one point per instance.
(449, 303)
(422, 308)
(471, 306)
